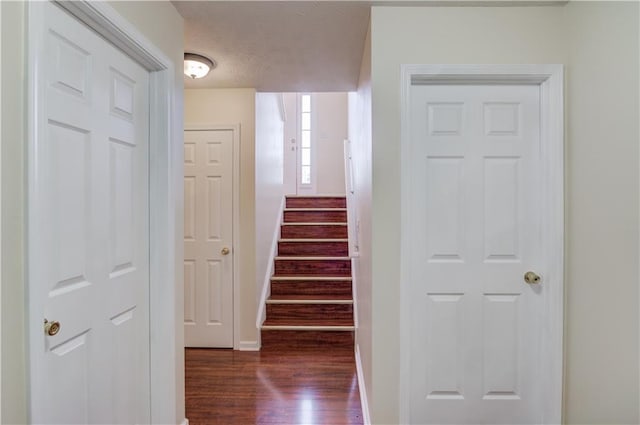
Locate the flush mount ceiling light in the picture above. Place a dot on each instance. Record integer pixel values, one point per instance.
(197, 66)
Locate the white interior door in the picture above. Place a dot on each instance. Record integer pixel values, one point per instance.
(88, 228)
(208, 237)
(475, 217)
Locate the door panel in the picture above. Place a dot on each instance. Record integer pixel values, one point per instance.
(208, 222)
(474, 155)
(88, 233)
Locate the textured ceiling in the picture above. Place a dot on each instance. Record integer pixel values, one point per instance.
(279, 45)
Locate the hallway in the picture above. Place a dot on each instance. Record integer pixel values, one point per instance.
(271, 387)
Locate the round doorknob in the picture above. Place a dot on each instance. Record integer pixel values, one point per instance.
(51, 328)
(531, 278)
(225, 251)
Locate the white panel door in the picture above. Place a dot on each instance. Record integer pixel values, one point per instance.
(475, 220)
(88, 229)
(208, 237)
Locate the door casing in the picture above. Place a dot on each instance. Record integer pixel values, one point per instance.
(550, 79)
(165, 179)
(235, 129)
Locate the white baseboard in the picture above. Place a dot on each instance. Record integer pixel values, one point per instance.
(249, 346)
(185, 421)
(364, 401)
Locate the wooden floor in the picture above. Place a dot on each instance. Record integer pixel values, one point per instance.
(272, 387)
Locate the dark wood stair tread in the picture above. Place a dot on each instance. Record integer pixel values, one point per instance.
(327, 299)
(315, 216)
(316, 201)
(311, 302)
(313, 230)
(313, 247)
(316, 322)
(307, 339)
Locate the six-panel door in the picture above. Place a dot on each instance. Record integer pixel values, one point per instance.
(475, 220)
(208, 236)
(89, 217)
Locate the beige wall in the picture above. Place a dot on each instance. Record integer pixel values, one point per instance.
(269, 182)
(161, 24)
(601, 374)
(14, 409)
(235, 106)
(360, 137)
(596, 42)
(331, 112)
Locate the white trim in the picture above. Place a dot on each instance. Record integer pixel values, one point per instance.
(281, 107)
(237, 248)
(249, 346)
(185, 421)
(266, 282)
(1, 207)
(310, 278)
(165, 181)
(312, 188)
(355, 271)
(310, 301)
(306, 223)
(308, 328)
(312, 258)
(301, 240)
(638, 118)
(324, 195)
(350, 198)
(364, 400)
(550, 78)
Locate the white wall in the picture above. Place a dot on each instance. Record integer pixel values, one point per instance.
(161, 24)
(598, 42)
(360, 137)
(269, 180)
(331, 127)
(235, 106)
(290, 132)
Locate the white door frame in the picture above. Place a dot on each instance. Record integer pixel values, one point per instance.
(236, 249)
(165, 194)
(550, 78)
(0, 210)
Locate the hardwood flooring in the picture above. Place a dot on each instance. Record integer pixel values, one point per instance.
(311, 386)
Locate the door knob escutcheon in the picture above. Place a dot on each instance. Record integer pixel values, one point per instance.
(51, 328)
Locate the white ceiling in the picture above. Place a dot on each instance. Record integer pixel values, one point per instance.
(277, 45)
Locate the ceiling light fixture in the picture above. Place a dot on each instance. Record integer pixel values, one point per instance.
(197, 66)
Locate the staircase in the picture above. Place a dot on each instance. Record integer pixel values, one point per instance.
(311, 303)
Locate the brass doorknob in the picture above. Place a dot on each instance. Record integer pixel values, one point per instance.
(51, 328)
(225, 251)
(531, 278)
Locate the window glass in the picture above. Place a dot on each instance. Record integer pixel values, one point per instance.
(306, 121)
(306, 103)
(306, 174)
(306, 139)
(306, 157)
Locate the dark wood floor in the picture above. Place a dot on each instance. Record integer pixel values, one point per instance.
(272, 387)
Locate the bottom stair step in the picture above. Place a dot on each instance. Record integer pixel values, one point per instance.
(310, 312)
(287, 339)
